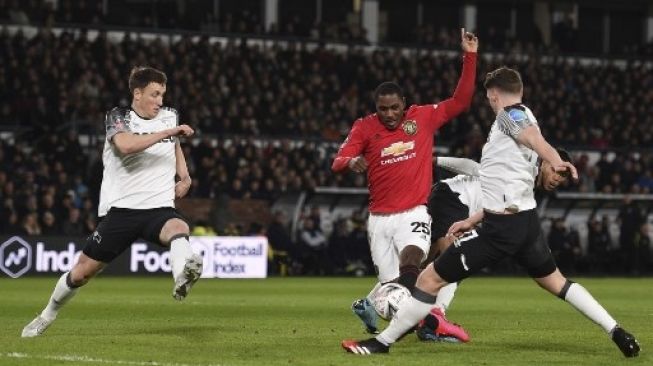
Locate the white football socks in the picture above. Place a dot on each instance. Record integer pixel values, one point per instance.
(180, 250)
(409, 314)
(445, 296)
(60, 296)
(584, 302)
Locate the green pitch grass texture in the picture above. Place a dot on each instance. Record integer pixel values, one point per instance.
(301, 321)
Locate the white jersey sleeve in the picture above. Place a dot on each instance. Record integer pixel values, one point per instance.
(116, 121)
(514, 119)
(459, 165)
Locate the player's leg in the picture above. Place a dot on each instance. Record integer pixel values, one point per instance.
(539, 262)
(436, 327)
(186, 266)
(445, 208)
(468, 255)
(65, 289)
(386, 262)
(447, 293)
(578, 297)
(411, 232)
(412, 310)
(113, 235)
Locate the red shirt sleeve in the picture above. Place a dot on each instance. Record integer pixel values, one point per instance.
(462, 96)
(352, 147)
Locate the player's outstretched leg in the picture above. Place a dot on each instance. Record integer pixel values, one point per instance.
(364, 310)
(190, 273)
(578, 297)
(63, 291)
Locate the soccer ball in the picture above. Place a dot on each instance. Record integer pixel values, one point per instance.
(388, 298)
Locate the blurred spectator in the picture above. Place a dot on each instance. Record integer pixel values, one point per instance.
(338, 245)
(30, 225)
(630, 220)
(314, 246)
(49, 224)
(282, 251)
(565, 245)
(642, 244)
(359, 259)
(73, 225)
(599, 245)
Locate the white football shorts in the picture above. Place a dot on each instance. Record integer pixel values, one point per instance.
(389, 234)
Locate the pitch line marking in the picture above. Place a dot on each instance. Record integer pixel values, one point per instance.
(86, 359)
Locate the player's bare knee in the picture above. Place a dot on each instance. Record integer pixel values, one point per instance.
(553, 282)
(429, 281)
(173, 227)
(85, 269)
(80, 275)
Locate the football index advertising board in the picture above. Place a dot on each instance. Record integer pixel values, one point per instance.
(224, 257)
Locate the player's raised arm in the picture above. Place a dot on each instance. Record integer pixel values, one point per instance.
(349, 154)
(462, 96)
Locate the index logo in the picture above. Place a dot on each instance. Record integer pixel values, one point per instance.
(15, 257)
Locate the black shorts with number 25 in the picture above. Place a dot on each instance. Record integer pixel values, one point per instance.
(123, 226)
(518, 236)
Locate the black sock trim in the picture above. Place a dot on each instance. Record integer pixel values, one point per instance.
(177, 236)
(70, 283)
(408, 276)
(422, 296)
(565, 288)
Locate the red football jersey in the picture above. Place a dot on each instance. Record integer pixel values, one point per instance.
(400, 161)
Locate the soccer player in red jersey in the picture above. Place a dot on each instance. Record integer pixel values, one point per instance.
(395, 147)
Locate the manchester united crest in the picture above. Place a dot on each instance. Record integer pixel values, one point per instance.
(410, 127)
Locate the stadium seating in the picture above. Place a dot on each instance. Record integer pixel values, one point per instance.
(295, 106)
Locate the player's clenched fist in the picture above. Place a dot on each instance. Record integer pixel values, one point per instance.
(469, 41)
(358, 164)
(183, 130)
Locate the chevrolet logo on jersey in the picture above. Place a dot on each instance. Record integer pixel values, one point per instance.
(398, 148)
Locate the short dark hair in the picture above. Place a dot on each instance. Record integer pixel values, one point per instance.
(388, 88)
(504, 79)
(142, 76)
(564, 154)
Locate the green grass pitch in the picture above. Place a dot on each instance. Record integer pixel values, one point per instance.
(301, 321)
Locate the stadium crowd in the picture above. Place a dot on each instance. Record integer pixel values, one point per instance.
(52, 87)
(246, 20)
(275, 91)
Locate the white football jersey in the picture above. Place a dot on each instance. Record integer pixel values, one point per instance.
(142, 180)
(468, 188)
(508, 168)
